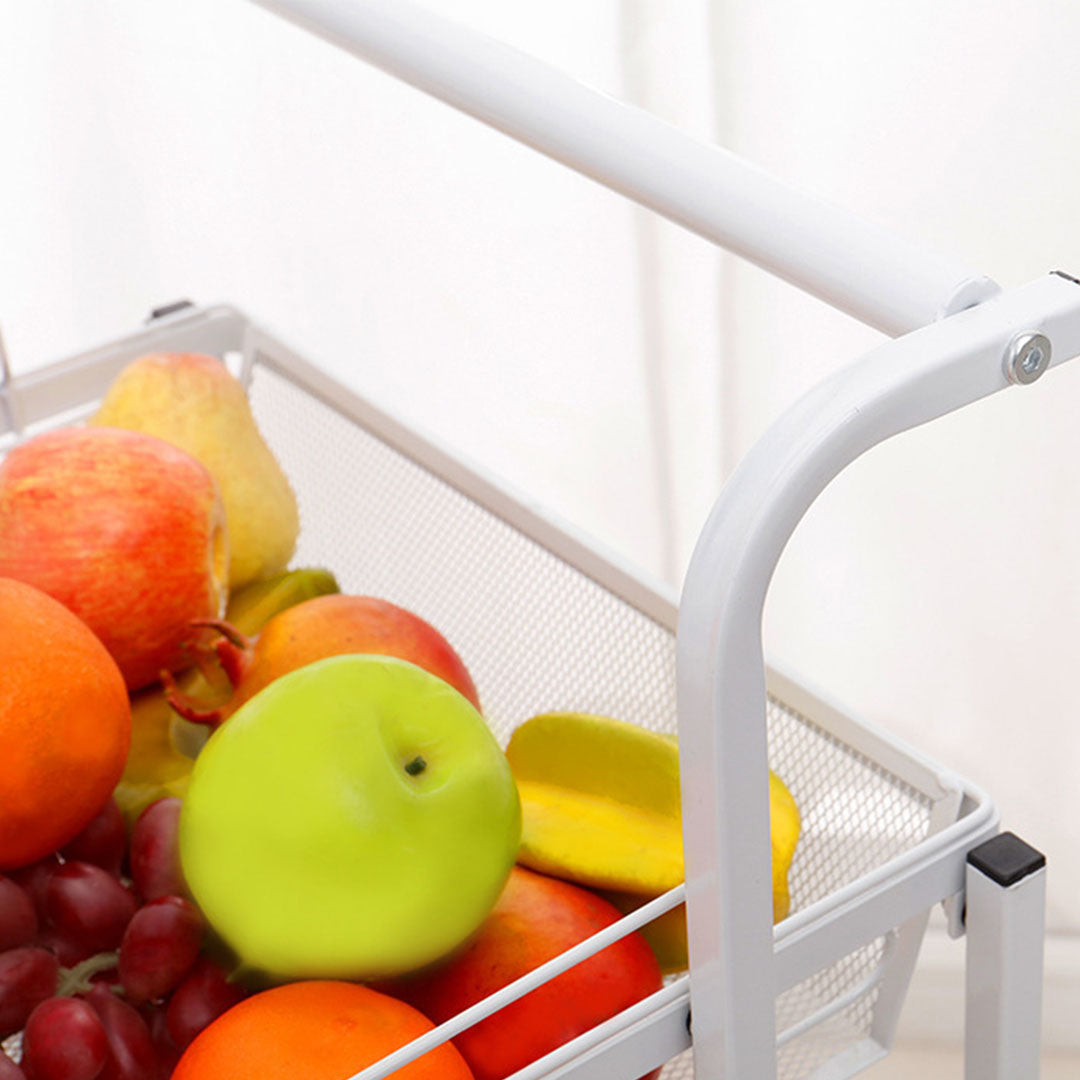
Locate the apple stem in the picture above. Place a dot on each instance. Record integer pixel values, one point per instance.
(187, 706)
(233, 648)
(416, 766)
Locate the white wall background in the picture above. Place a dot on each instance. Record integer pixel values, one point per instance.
(608, 363)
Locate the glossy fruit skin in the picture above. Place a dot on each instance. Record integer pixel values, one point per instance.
(318, 1030)
(28, 976)
(18, 919)
(103, 842)
(535, 920)
(337, 624)
(155, 851)
(88, 907)
(34, 879)
(303, 802)
(65, 724)
(199, 1000)
(131, 1049)
(64, 1038)
(159, 946)
(123, 529)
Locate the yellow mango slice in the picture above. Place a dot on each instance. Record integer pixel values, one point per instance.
(600, 802)
(601, 807)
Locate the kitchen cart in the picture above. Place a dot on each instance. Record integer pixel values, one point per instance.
(888, 834)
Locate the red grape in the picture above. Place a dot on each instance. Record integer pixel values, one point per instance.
(164, 1047)
(68, 953)
(155, 852)
(200, 999)
(131, 1049)
(103, 842)
(64, 1040)
(27, 977)
(34, 879)
(9, 1070)
(87, 907)
(18, 920)
(160, 944)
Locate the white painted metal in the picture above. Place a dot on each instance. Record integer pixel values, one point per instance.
(722, 692)
(879, 277)
(42, 394)
(1004, 977)
(885, 898)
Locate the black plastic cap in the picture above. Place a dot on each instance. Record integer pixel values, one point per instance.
(169, 309)
(1005, 859)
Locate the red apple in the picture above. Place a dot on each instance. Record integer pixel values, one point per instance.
(536, 918)
(315, 629)
(125, 530)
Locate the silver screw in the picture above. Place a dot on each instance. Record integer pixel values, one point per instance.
(1027, 357)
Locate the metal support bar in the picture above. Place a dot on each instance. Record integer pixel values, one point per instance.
(1005, 920)
(720, 663)
(881, 278)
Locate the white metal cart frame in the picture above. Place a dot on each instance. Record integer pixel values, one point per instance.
(957, 338)
(962, 340)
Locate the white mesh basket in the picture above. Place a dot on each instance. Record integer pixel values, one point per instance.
(396, 516)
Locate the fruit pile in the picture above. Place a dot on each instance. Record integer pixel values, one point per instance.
(252, 826)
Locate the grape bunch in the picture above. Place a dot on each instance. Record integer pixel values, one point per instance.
(107, 969)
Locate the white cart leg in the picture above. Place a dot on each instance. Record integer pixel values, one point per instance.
(1004, 922)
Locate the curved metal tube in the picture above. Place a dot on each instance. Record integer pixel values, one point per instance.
(721, 682)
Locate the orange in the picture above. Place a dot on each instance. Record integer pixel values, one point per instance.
(65, 724)
(318, 1030)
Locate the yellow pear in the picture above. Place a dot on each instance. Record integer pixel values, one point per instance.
(194, 402)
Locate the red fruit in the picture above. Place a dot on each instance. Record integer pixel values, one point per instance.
(155, 851)
(28, 976)
(131, 1048)
(324, 626)
(18, 919)
(34, 878)
(200, 999)
(164, 1047)
(535, 920)
(64, 1038)
(103, 842)
(159, 947)
(125, 530)
(88, 907)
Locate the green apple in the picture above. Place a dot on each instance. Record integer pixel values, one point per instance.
(356, 818)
